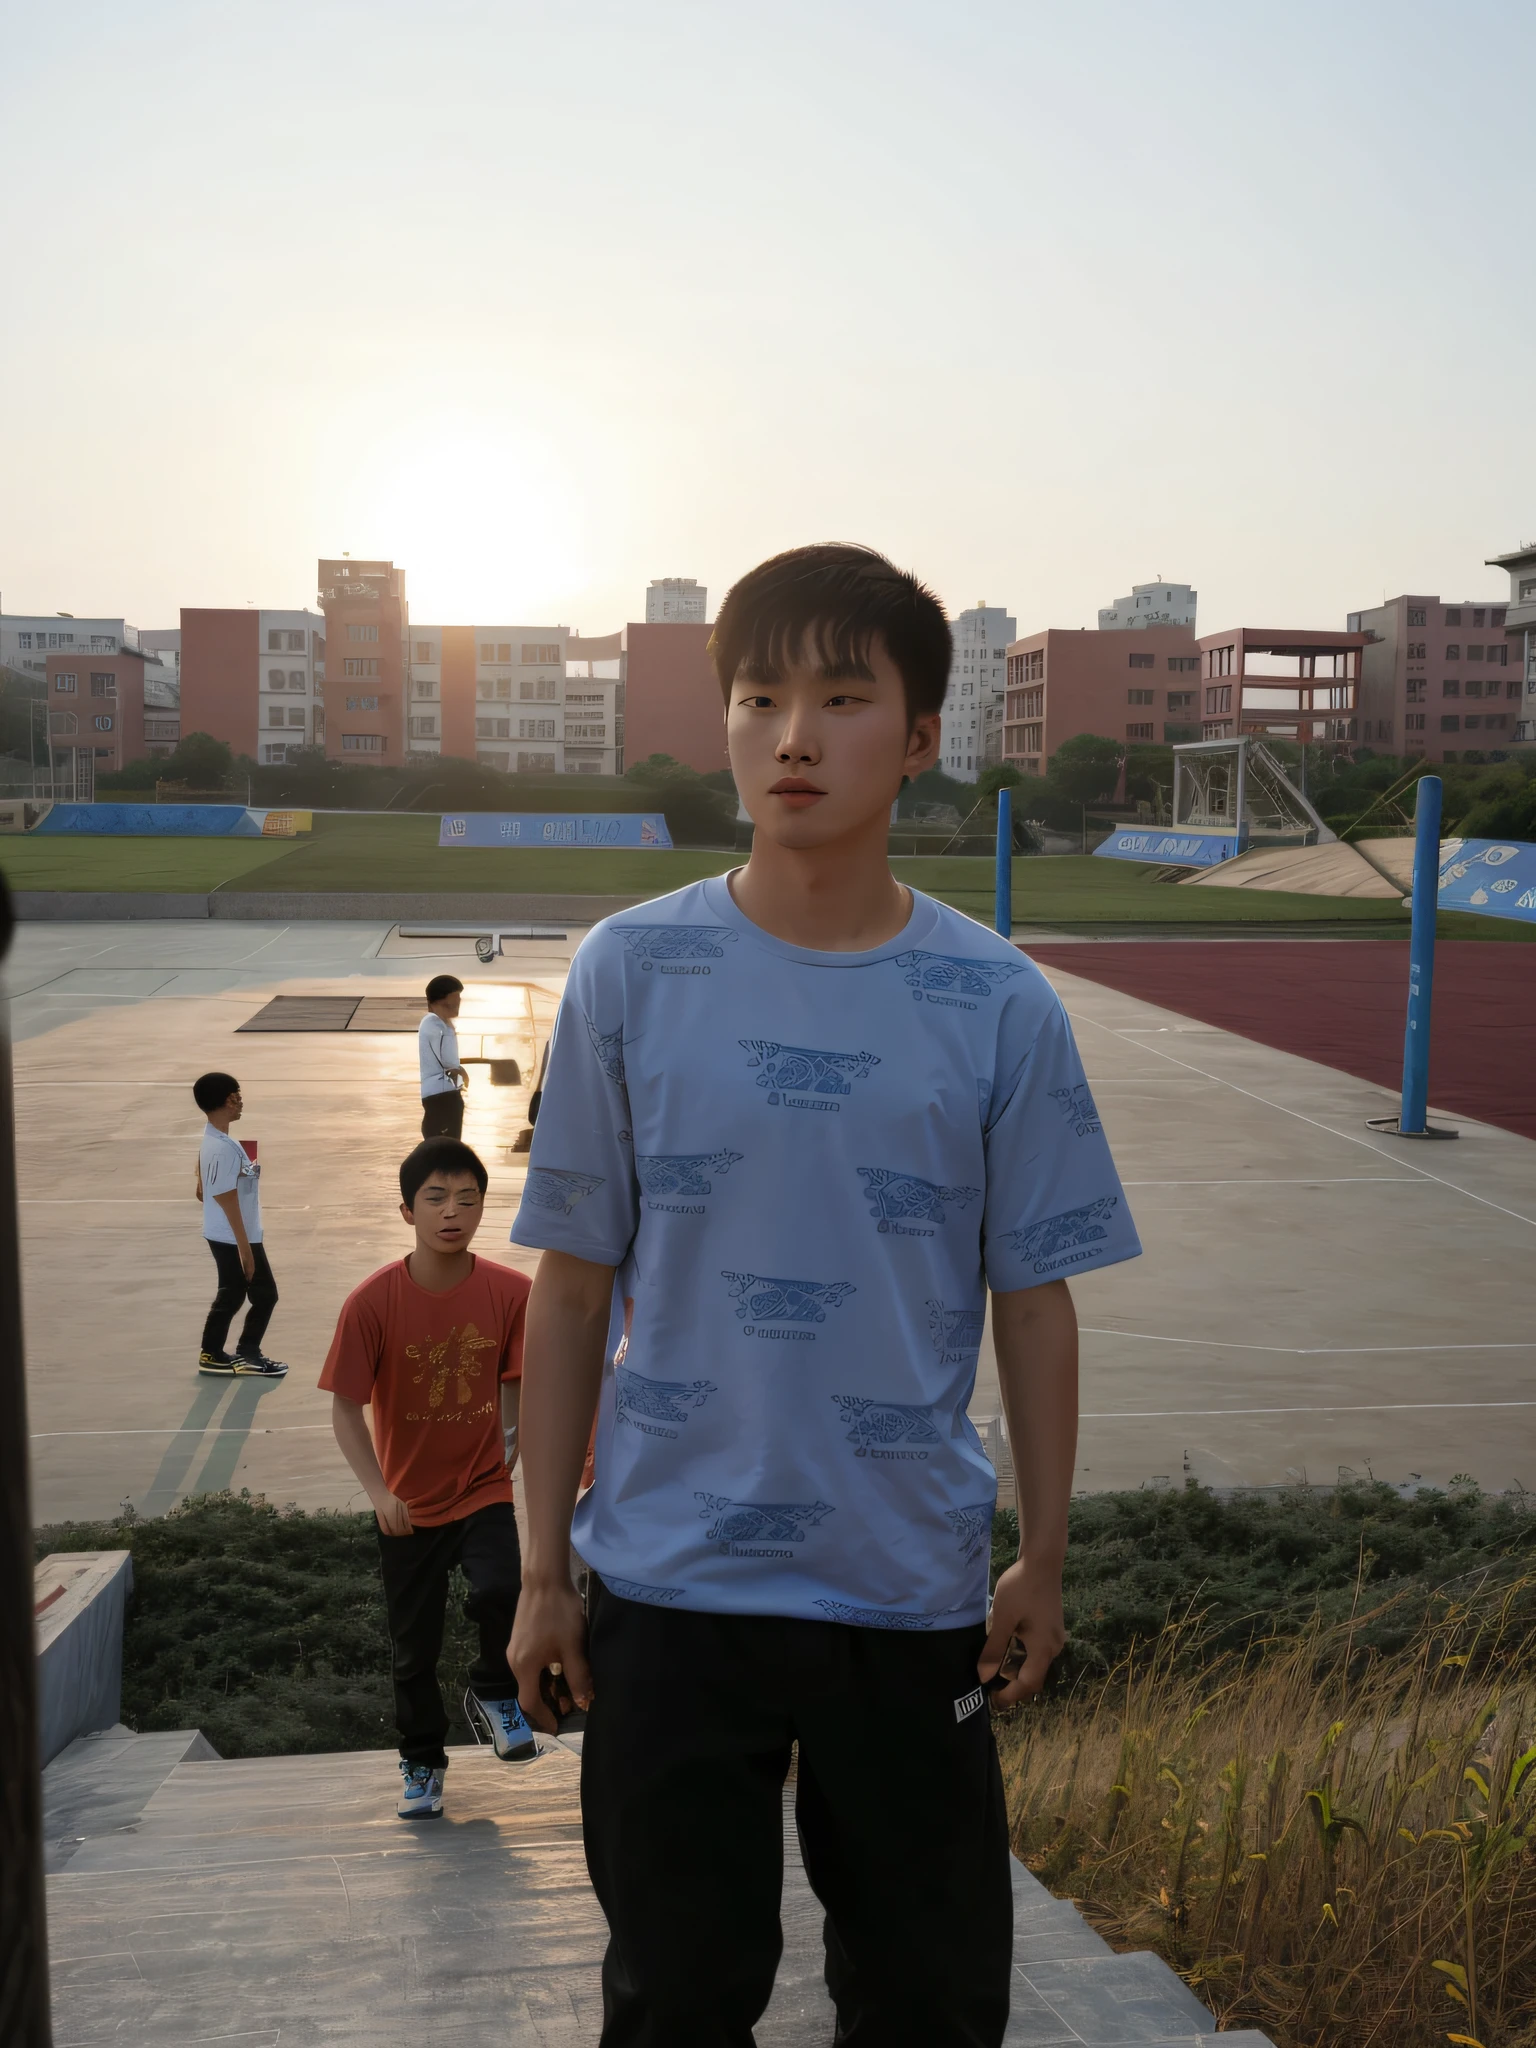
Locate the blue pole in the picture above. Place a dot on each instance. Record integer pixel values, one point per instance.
(1421, 957)
(1005, 863)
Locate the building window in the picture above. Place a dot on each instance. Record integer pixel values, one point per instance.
(355, 634)
(423, 728)
(1500, 654)
(1451, 687)
(65, 684)
(1496, 721)
(1218, 661)
(1414, 722)
(104, 723)
(1453, 615)
(362, 703)
(503, 650)
(1417, 616)
(275, 715)
(277, 679)
(1512, 688)
(1472, 722)
(535, 728)
(538, 655)
(1182, 700)
(1475, 653)
(487, 650)
(1449, 722)
(1475, 686)
(296, 680)
(504, 688)
(1219, 699)
(25, 639)
(422, 688)
(103, 685)
(274, 643)
(367, 665)
(1480, 616)
(362, 743)
(1453, 652)
(535, 764)
(295, 714)
(424, 651)
(275, 755)
(1143, 661)
(1140, 732)
(1184, 664)
(1417, 650)
(1496, 616)
(1141, 696)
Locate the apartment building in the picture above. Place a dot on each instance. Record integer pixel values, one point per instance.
(27, 639)
(1300, 685)
(254, 679)
(676, 601)
(1440, 680)
(1058, 684)
(973, 703)
(115, 707)
(1520, 633)
(1150, 604)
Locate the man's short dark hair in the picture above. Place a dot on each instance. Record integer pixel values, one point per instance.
(438, 1155)
(443, 985)
(212, 1091)
(839, 597)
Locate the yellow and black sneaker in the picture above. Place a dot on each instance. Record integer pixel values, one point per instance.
(217, 1365)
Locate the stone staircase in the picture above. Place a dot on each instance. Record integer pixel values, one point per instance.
(277, 1902)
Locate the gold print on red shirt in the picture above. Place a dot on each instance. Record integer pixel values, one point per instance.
(443, 1370)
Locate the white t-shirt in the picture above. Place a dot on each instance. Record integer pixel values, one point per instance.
(226, 1170)
(438, 1044)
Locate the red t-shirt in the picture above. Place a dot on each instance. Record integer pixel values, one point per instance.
(432, 1365)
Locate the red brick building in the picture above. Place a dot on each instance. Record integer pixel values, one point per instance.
(366, 623)
(97, 705)
(672, 701)
(1438, 680)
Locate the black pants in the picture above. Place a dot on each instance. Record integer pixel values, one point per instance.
(442, 1116)
(416, 1569)
(899, 1803)
(234, 1288)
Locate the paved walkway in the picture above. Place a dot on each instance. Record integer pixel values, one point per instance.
(276, 1902)
(1312, 1296)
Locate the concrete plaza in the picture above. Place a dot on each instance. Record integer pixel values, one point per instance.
(1313, 1296)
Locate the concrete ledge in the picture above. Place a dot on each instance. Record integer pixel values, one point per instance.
(78, 1602)
(345, 904)
(103, 906)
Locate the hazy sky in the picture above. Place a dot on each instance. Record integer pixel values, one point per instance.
(544, 301)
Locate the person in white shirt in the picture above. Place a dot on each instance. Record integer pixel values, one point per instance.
(228, 1186)
(442, 1076)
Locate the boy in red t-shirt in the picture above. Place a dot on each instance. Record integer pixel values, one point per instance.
(433, 1343)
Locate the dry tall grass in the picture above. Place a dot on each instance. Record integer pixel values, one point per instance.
(1328, 1844)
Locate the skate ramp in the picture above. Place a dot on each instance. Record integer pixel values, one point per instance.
(1330, 870)
(277, 1901)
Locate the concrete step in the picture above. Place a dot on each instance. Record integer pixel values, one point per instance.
(278, 1900)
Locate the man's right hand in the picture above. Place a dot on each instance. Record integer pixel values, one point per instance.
(393, 1516)
(247, 1262)
(549, 1634)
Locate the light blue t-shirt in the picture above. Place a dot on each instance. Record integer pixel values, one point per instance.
(807, 1168)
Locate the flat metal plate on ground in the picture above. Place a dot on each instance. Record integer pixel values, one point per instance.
(387, 1013)
(306, 1013)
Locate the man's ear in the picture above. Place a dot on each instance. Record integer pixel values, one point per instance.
(408, 1213)
(923, 743)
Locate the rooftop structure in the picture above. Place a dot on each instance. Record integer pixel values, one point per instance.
(676, 601)
(1150, 604)
(28, 638)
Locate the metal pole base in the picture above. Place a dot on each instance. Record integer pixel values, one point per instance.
(1391, 1127)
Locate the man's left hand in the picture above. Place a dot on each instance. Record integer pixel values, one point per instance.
(1026, 1605)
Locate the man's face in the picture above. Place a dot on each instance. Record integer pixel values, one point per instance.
(816, 757)
(234, 1108)
(449, 1006)
(447, 1211)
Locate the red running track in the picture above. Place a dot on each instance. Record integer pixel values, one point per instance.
(1342, 1002)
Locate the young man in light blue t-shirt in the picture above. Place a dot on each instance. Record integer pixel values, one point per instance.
(797, 1122)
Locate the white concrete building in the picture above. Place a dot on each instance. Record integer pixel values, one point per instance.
(973, 703)
(290, 691)
(1151, 604)
(164, 643)
(676, 601)
(27, 639)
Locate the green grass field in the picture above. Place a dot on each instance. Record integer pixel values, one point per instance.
(372, 853)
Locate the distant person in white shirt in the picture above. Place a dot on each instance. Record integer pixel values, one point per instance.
(442, 1077)
(228, 1185)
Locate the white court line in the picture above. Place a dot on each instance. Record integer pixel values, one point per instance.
(1339, 1408)
(1307, 1351)
(1316, 1123)
(1320, 1180)
(219, 1429)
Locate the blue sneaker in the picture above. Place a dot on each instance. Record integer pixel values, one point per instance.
(421, 1796)
(503, 1726)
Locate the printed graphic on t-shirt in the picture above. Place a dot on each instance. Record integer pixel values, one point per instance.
(449, 1369)
(952, 980)
(1064, 1240)
(956, 1332)
(652, 1596)
(558, 1188)
(652, 1406)
(761, 1299)
(609, 1047)
(876, 1617)
(748, 1529)
(799, 1077)
(902, 1431)
(677, 1183)
(676, 948)
(1077, 1106)
(905, 1204)
(972, 1527)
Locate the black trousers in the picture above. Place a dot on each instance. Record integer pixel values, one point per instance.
(899, 1804)
(442, 1116)
(416, 1569)
(260, 1290)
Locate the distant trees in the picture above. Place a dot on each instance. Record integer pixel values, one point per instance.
(698, 812)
